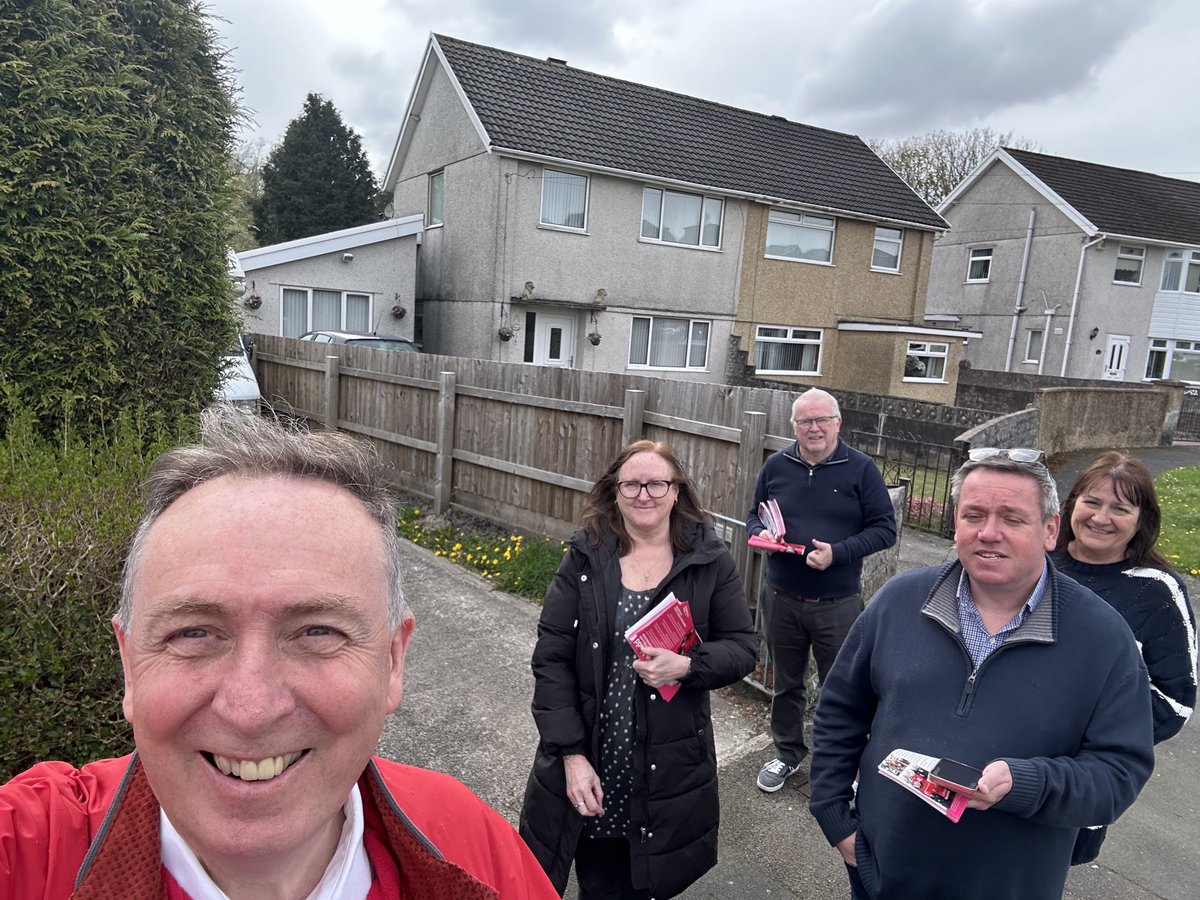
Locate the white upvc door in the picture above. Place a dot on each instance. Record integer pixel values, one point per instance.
(554, 340)
(1116, 354)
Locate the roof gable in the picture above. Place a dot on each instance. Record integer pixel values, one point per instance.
(550, 110)
(1121, 201)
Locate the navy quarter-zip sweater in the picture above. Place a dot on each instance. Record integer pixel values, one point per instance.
(1065, 701)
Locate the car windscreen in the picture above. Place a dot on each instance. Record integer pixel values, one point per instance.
(382, 344)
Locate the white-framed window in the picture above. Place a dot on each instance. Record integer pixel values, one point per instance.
(1181, 271)
(437, 198)
(1179, 360)
(564, 200)
(781, 350)
(885, 256)
(313, 309)
(672, 217)
(979, 264)
(926, 361)
(1129, 264)
(659, 342)
(1033, 344)
(800, 235)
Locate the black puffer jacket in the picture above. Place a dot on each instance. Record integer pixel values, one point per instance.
(674, 808)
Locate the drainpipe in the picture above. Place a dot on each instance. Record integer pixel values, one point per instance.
(1017, 307)
(1075, 300)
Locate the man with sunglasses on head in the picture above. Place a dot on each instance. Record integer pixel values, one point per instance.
(835, 503)
(1000, 662)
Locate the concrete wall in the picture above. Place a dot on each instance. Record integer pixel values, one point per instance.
(1101, 418)
(1012, 391)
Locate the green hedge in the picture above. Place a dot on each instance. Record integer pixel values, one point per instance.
(66, 515)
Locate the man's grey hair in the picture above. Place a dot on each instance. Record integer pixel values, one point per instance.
(1047, 488)
(817, 394)
(234, 442)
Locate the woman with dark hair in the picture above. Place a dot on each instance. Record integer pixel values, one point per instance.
(624, 782)
(1110, 525)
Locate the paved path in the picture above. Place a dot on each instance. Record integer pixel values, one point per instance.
(466, 712)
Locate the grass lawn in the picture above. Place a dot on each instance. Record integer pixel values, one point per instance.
(1179, 495)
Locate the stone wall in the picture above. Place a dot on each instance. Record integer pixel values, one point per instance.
(1006, 392)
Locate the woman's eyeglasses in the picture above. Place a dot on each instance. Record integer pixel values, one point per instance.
(1016, 454)
(633, 489)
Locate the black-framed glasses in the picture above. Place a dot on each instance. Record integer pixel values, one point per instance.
(633, 489)
(819, 421)
(1016, 454)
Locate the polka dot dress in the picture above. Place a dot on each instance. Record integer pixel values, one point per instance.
(617, 725)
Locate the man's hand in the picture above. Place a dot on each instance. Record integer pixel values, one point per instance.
(662, 666)
(583, 785)
(994, 785)
(846, 847)
(820, 555)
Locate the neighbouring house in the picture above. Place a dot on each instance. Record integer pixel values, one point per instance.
(1072, 268)
(578, 220)
(356, 279)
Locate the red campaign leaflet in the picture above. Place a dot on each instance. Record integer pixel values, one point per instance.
(911, 771)
(668, 626)
(772, 518)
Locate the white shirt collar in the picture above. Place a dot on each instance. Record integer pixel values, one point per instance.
(347, 877)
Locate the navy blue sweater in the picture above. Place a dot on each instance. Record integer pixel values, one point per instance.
(842, 501)
(1064, 701)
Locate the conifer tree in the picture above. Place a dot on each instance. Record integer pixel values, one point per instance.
(317, 179)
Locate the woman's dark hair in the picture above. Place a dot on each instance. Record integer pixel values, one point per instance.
(1131, 482)
(601, 515)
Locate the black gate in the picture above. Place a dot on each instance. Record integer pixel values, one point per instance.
(926, 469)
(1188, 428)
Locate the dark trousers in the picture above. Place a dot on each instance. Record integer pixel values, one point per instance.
(793, 628)
(602, 870)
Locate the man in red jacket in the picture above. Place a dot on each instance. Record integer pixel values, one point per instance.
(262, 631)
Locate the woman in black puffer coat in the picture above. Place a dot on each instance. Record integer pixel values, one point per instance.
(623, 782)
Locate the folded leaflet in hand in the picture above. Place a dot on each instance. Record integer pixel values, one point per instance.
(668, 626)
(911, 771)
(772, 518)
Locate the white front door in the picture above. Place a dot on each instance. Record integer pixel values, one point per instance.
(1115, 356)
(554, 340)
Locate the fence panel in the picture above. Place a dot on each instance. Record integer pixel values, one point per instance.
(1188, 428)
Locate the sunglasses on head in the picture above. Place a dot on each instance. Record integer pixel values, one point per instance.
(1016, 454)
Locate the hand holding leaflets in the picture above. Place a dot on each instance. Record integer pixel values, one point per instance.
(944, 784)
(772, 518)
(668, 626)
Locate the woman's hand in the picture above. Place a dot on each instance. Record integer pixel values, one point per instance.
(583, 785)
(662, 667)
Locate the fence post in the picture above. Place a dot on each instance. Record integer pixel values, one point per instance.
(443, 474)
(750, 457)
(634, 421)
(331, 392)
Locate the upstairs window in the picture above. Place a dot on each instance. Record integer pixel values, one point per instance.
(926, 361)
(780, 350)
(885, 257)
(979, 264)
(1129, 264)
(564, 200)
(675, 218)
(1181, 271)
(801, 236)
(663, 343)
(437, 198)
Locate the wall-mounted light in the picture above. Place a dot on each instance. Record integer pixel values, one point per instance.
(1092, 334)
(347, 257)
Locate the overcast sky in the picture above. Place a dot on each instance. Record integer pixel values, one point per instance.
(1107, 81)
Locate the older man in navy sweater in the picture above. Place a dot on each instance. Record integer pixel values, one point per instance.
(1002, 663)
(834, 502)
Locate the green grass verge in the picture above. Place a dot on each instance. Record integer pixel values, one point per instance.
(1179, 495)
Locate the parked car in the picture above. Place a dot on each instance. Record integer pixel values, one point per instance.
(376, 341)
(239, 385)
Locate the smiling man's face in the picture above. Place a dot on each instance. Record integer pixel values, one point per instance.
(259, 665)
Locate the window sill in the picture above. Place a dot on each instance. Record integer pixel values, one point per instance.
(925, 380)
(545, 226)
(1127, 283)
(705, 248)
(435, 225)
(636, 368)
(977, 281)
(887, 271)
(787, 373)
(807, 262)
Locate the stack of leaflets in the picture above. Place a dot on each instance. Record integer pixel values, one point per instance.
(668, 626)
(772, 518)
(914, 773)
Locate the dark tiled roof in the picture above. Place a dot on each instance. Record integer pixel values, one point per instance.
(1121, 201)
(550, 109)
